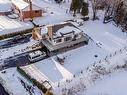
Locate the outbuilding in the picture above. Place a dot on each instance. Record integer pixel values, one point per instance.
(26, 9)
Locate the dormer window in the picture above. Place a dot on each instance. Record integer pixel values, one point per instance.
(58, 40)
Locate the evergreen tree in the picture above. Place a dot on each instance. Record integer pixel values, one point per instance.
(119, 14)
(85, 9)
(75, 5)
(80, 6)
(58, 1)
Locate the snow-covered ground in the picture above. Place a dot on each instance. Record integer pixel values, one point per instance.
(11, 81)
(108, 36)
(55, 13)
(50, 71)
(114, 84)
(107, 40)
(12, 87)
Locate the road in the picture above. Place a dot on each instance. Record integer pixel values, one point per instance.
(15, 41)
(20, 60)
(2, 90)
(14, 61)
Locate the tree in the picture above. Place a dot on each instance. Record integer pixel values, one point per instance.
(80, 5)
(94, 7)
(111, 7)
(85, 9)
(120, 12)
(58, 1)
(75, 6)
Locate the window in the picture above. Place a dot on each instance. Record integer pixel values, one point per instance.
(76, 36)
(36, 11)
(67, 38)
(58, 40)
(50, 39)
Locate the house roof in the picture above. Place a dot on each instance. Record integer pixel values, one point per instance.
(5, 6)
(58, 26)
(64, 28)
(67, 29)
(61, 29)
(20, 4)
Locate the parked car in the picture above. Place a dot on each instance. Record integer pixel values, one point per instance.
(36, 56)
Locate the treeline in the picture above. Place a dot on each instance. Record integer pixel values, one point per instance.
(115, 10)
(79, 6)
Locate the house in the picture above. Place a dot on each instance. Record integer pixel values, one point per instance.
(5, 7)
(26, 9)
(61, 36)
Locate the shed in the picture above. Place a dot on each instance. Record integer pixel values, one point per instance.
(26, 10)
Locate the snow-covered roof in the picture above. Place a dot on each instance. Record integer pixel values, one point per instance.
(20, 4)
(8, 25)
(79, 20)
(5, 6)
(67, 29)
(63, 28)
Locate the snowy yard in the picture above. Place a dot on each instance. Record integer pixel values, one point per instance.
(114, 84)
(11, 86)
(109, 36)
(54, 13)
(106, 49)
(11, 81)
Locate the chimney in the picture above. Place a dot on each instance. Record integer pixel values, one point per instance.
(31, 13)
(50, 32)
